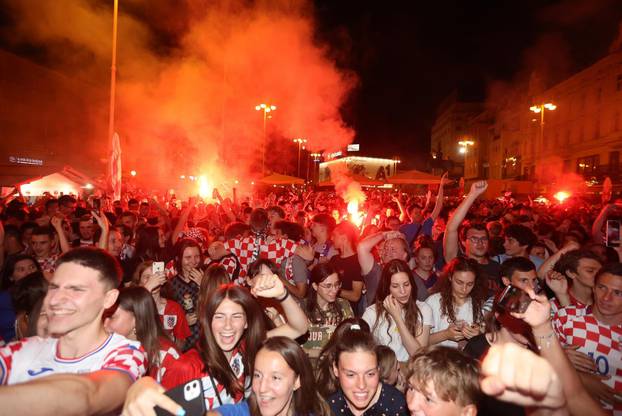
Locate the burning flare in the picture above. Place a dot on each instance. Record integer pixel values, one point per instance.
(356, 217)
(561, 196)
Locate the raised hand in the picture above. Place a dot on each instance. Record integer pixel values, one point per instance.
(538, 312)
(155, 281)
(478, 188)
(393, 307)
(517, 375)
(557, 282)
(445, 179)
(580, 361)
(269, 286)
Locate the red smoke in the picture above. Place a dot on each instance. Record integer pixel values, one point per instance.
(191, 108)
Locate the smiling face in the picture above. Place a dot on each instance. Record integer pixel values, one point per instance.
(76, 299)
(228, 324)
(328, 289)
(190, 259)
(274, 383)
(359, 378)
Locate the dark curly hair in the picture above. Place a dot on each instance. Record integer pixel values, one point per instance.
(478, 293)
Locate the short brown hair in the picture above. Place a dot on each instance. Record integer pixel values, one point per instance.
(454, 374)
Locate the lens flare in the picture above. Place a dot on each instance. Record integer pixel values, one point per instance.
(561, 196)
(205, 189)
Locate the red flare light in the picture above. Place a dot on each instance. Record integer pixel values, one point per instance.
(561, 196)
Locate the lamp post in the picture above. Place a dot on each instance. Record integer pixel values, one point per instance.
(316, 159)
(540, 109)
(266, 109)
(300, 142)
(464, 149)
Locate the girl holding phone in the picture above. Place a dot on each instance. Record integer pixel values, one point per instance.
(233, 329)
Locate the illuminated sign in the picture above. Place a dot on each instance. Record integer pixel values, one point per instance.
(25, 161)
(354, 147)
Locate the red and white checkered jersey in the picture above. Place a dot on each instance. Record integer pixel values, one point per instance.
(35, 357)
(169, 356)
(555, 305)
(174, 320)
(579, 327)
(48, 264)
(246, 249)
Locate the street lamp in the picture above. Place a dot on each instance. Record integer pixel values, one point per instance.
(540, 109)
(316, 159)
(300, 142)
(266, 109)
(464, 149)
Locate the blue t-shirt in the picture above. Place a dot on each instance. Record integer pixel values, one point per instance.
(238, 409)
(413, 229)
(7, 317)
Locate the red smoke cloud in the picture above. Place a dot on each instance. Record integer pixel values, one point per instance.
(191, 109)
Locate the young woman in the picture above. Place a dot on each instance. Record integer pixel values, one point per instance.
(233, 328)
(327, 383)
(324, 308)
(18, 267)
(457, 308)
(360, 390)
(171, 314)
(283, 384)
(215, 276)
(136, 318)
(398, 319)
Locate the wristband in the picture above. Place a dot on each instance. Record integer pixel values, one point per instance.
(285, 296)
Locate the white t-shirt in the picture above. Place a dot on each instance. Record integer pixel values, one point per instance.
(441, 322)
(393, 339)
(36, 357)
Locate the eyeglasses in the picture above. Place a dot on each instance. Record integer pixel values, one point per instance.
(329, 286)
(478, 240)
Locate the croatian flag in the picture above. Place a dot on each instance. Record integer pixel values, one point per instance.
(115, 166)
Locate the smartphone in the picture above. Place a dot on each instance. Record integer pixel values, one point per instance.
(189, 396)
(97, 204)
(157, 267)
(514, 299)
(613, 233)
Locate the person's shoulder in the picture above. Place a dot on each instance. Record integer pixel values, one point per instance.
(370, 313)
(393, 398)
(433, 298)
(343, 303)
(423, 306)
(30, 343)
(119, 341)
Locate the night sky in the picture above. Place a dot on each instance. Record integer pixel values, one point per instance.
(411, 55)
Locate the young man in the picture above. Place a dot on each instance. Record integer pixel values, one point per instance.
(322, 226)
(517, 243)
(80, 369)
(473, 236)
(345, 238)
(597, 332)
(518, 272)
(86, 232)
(578, 269)
(43, 245)
(442, 381)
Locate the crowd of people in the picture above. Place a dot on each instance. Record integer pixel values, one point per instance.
(280, 305)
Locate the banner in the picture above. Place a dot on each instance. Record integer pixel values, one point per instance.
(115, 167)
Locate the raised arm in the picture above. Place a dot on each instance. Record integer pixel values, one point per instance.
(597, 227)
(57, 223)
(183, 219)
(272, 287)
(100, 392)
(438, 206)
(104, 225)
(450, 240)
(366, 258)
(549, 263)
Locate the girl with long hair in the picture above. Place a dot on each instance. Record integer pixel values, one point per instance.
(397, 318)
(327, 383)
(171, 314)
(282, 385)
(360, 389)
(323, 307)
(135, 316)
(457, 307)
(233, 328)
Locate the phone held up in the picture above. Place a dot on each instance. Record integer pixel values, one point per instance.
(157, 267)
(613, 233)
(189, 396)
(514, 299)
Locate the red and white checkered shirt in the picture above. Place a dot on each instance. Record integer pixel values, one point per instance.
(48, 264)
(579, 327)
(36, 357)
(246, 250)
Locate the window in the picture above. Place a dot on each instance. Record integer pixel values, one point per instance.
(614, 161)
(588, 165)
